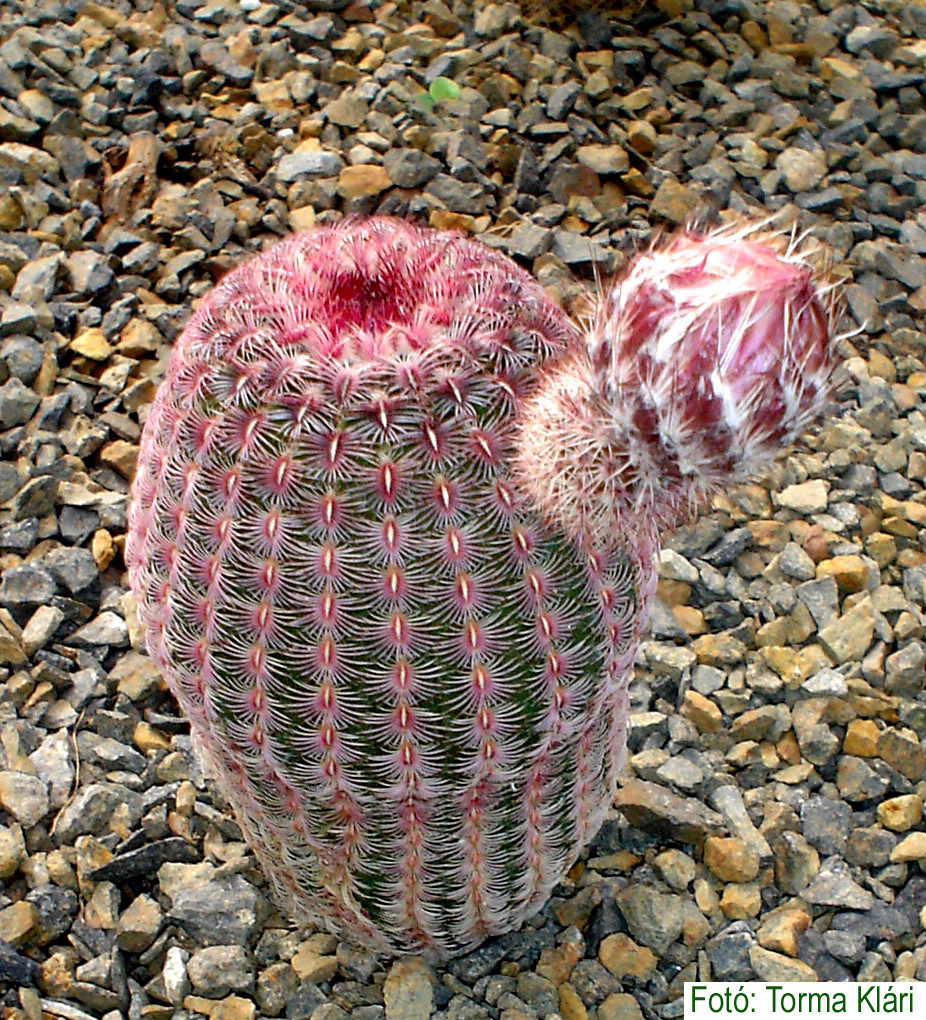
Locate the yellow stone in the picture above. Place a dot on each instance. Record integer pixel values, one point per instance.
(706, 896)
(702, 712)
(199, 1004)
(302, 218)
(620, 1006)
(861, 738)
(849, 572)
(741, 901)
(836, 67)
(625, 959)
(121, 457)
(900, 814)
(445, 219)
(730, 859)
(695, 926)
(771, 966)
(91, 854)
(910, 848)
(102, 548)
(18, 922)
(363, 180)
(139, 338)
(556, 964)
(784, 661)
(673, 593)
(691, 620)
(146, 738)
(310, 965)
(92, 344)
(781, 930)
(881, 548)
(571, 1006)
(57, 973)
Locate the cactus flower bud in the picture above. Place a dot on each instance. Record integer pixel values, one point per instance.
(706, 358)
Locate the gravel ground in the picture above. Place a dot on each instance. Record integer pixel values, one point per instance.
(771, 820)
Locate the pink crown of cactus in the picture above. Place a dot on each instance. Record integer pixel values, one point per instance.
(392, 540)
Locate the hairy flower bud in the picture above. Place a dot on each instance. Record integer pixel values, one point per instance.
(706, 358)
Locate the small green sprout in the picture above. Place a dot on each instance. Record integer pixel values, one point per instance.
(441, 88)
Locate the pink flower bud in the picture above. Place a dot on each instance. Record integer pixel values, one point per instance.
(714, 352)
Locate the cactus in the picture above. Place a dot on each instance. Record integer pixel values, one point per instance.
(394, 530)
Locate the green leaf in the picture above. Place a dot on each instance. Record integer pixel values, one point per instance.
(444, 88)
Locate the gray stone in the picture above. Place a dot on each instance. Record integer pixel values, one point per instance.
(906, 669)
(847, 947)
(655, 919)
(679, 771)
(17, 403)
(35, 499)
(794, 562)
(37, 277)
(22, 354)
(858, 781)
(728, 800)
(577, 249)
(9, 481)
(410, 168)
(877, 40)
(220, 969)
(653, 808)
(834, 887)
(221, 912)
(593, 982)
(109, 753)
(529, 241)
(26, 585)
(89, 272)
(72, 567)
(175, 979)
(24, 797)
(313, 163)
(57, 910)
(562, 99)
(826, 824)
(728, 953)
(826, 683)
(106, 629)
(53, 764)
(215, 55)
(21, 536)
(458, 196)
(93, 807)
(821, 599)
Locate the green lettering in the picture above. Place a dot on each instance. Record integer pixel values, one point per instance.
(865, 999)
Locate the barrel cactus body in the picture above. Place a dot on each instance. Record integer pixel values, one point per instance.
(392, 535)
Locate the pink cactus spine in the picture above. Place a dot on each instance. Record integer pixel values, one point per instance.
(393, 535)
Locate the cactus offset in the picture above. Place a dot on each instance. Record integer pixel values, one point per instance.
(393, 534)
